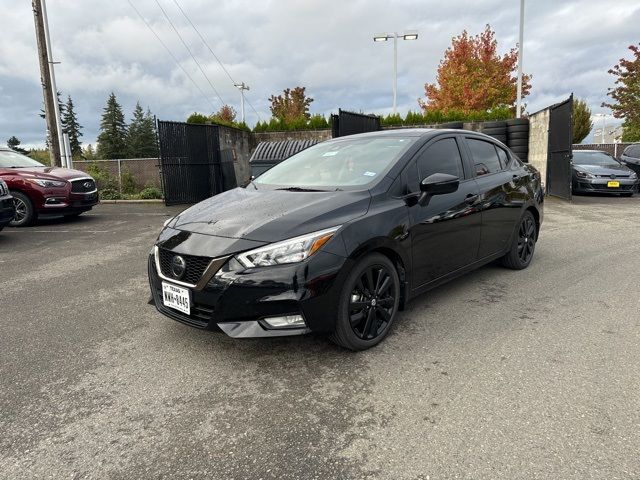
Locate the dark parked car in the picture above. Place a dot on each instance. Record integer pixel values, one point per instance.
(596, 171)
(38, 189)
(631, 157)
(7, 208)
(340, 236)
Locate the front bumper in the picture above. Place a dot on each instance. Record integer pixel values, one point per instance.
(7, 210)
(71, 203)
(238, 302)
(599, 185)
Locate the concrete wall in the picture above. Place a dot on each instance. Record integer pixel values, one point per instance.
(614, 149)
(539, 141)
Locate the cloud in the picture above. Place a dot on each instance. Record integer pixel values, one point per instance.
(326, 46)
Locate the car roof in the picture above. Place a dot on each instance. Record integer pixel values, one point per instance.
(411, 132)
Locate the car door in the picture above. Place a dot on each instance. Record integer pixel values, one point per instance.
(501, 191)
(445, 233)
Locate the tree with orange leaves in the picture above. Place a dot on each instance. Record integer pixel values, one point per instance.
(474, 77)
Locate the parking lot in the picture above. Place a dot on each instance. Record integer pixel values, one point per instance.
(499, 374)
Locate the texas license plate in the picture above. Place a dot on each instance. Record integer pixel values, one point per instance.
(613, 184)
(176, 297)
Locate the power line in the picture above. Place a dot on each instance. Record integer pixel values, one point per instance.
(214, 55)
(190, 53)
(204, 95)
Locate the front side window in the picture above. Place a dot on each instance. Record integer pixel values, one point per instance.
(442, 156)
(340, 163)
(10, 159)
(485, 157)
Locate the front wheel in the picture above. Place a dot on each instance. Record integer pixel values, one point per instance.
(368, 303)
(25, 212)
(523, 244)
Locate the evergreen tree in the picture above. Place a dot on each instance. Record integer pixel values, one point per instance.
(14, 144)
(112, 141)
(141, 138)
(582, 123)
(71, 127)
(88, 153)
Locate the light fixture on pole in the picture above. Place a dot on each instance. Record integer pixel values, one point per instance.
(242, 87)
(520, 49)
(383, 37)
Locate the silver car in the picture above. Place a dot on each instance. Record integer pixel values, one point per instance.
(596, 171)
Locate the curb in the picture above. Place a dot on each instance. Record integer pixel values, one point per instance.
(111, 202)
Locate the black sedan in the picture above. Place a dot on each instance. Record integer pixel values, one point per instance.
(339, 237)
(599, 172)
(7, 206)
(631, 157)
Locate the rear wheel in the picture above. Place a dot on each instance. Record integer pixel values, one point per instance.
(523, 244)
(368, 304)
(25, 213)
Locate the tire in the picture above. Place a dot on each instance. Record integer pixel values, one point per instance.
(523, 244)
(25, 212)
(518, 136)
(500, 138)
(494, 131)
(522, 142)
(518, 129)
(495, 124)
(517, 121)
(363, 319)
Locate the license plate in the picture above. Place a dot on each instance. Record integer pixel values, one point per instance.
(613, 184)
(176, 297)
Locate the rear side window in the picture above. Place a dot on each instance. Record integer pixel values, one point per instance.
(632, 151)
(502, 155)
(485, 157)
(442, 156)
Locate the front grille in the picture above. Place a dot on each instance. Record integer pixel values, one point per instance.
(195, 266)
(84, 185)
(615, 177)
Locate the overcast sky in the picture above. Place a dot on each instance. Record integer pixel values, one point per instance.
(326, 45)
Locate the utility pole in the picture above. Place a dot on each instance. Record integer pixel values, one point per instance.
(242, 87)
(48, 90)
(520, 49)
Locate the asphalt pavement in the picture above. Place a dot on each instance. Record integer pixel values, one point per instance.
(500, 374)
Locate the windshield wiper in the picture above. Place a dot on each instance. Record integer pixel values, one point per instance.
(300, 189)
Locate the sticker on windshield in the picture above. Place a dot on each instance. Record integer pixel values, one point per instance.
(330, 154)
(369, 174)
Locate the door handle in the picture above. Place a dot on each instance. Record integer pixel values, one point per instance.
(471, 198)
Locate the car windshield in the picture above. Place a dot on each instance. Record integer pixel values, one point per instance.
(9, 159)
(594, 158)
(340, 163)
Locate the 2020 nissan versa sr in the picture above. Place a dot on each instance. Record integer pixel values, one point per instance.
(339, 237)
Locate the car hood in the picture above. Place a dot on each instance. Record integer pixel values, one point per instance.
(53, 173)
(604, 170)
(271, 215)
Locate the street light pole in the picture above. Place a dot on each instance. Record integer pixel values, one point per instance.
(242, 87)
(383, 37)
(520, 49)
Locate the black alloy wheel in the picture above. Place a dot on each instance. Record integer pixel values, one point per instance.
(25, 213)
(523, 245)
(369, 303)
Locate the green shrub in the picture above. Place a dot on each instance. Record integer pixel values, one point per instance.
(128, 182)
(150, 193)
(104, 179)
(110, 194)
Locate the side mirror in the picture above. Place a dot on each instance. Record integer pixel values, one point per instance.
(437, 184)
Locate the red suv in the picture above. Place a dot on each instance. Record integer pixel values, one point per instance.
(38, 189)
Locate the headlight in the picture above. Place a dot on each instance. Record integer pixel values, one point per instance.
(581, 174)
(633, 176)
(48, 183)
(293, 250)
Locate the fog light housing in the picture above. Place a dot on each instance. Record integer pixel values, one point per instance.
(285, 321)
